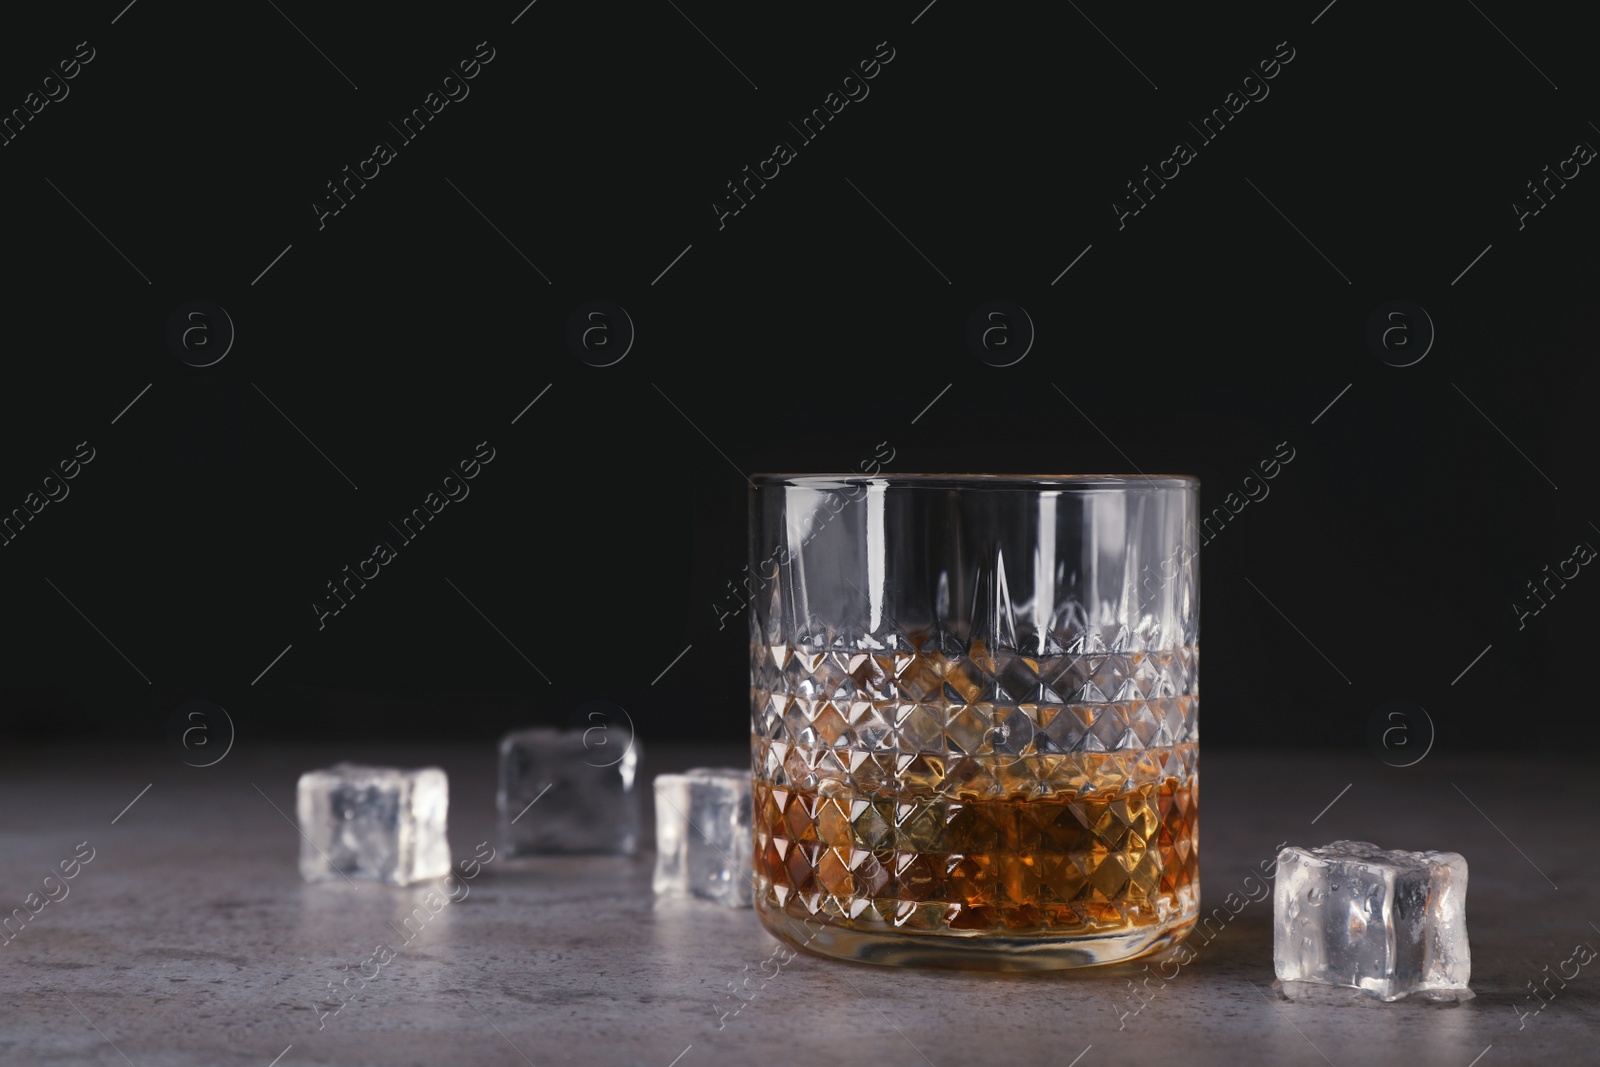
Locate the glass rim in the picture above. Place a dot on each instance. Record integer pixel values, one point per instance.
(1023, 482)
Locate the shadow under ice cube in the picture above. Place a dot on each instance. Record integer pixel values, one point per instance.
(1389, 923)
(378, 823)
(703, 846)
(559, 793)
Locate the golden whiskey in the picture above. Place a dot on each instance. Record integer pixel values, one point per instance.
(1083, 862)
(977, 818)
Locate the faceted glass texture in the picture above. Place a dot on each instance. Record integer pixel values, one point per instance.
(974, 712)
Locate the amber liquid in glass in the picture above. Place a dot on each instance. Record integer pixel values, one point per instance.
(1087, 862)
(895, 795)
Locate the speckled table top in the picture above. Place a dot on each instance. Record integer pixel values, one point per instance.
(187, 937)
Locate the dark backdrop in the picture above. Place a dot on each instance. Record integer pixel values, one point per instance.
(385, 342)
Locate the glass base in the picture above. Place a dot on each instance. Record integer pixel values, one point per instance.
(984, 952)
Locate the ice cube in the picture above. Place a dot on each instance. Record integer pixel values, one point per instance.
(1389, 923)
(379, 823)
(703, 844)
(558, 793)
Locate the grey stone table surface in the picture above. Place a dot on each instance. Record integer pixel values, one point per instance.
(189, 939)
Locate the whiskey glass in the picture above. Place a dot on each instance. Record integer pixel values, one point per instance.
(973, 716)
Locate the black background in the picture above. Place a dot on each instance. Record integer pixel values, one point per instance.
(798, 336)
